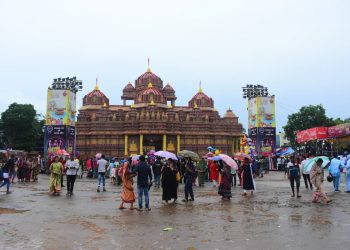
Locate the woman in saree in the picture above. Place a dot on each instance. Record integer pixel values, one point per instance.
(128, 195)
(56, 169)
(225, 182)
(35, 170)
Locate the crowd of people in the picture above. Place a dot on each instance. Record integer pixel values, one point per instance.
(24, 168)
(167, 174)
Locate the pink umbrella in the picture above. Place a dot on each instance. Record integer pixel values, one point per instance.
(98, 155)
(241, 156)
(135, 158)
(229, 161)
(61, 152)
(166, 154)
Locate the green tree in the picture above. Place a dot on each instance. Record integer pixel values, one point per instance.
(307, 117)
(20, 126)
(341, 121)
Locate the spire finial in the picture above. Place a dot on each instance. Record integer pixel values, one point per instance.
(96, 87)
(200, 87)
(148, 68)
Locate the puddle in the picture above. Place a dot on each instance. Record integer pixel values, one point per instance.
(11, 211)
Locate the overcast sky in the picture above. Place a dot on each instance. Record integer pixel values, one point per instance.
(299, 49)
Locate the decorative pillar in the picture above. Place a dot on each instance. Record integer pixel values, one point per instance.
(126, 145)
(164, 142)
(141, 144)
(233, 146)
(178, 144)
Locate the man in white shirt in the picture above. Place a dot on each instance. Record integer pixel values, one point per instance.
(101, 167)
(71, 167)
(306, 174)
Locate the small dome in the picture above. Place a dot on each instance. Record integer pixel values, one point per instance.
(168, 89)
(129, 87)
(150, 94)
(230, 114)
(201, 100)
(95, 97)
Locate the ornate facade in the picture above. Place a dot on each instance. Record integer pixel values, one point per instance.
(153, 121)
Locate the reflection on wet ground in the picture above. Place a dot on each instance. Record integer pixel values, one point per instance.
(270, 219)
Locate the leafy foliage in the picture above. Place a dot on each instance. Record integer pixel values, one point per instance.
(21, 127)
(307, 117)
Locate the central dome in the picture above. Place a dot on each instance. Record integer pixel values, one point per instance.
(150, 95)
(146, 78)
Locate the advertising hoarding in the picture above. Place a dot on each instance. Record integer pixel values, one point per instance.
(61, 107)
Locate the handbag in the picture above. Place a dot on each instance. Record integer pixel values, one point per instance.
(178, 177)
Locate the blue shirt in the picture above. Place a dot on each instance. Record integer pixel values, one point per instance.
(335, 167)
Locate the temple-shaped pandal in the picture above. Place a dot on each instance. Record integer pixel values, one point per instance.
(153, 121)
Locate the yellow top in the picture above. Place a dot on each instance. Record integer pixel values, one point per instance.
(200, 90)
(149, 70)
(96, 87)
(150, 85)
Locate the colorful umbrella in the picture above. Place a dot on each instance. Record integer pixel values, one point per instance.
(215, 158)
(241, 156)
(166, 154)
(188, 154)
(311, 162)
(151, 152)
(225, 158)
(135, 158)
(60, 152)
(229, 161)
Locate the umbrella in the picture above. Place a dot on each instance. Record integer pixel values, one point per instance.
(241, 156)
(189, 154)
(229, 161)
(311, 162)
(61, 152)
(166, 154)
(135, 158)
(225, 158)
(151, 152)
(215, 158)
(98, 155)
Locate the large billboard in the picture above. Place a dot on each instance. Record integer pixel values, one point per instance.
(262, 125)
(266, 144)
(261, 112)
(61, 107)
(55, 138)
(59, 137)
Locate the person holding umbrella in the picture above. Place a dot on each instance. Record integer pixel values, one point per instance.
(169, 182)
(225, 181)
(247, 177)
(317, 176)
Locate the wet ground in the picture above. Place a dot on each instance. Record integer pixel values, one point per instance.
(271, 219)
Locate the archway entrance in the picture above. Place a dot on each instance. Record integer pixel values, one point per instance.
(152, 142)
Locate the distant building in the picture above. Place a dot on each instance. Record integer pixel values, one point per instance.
(153, 121)
(282, 140)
